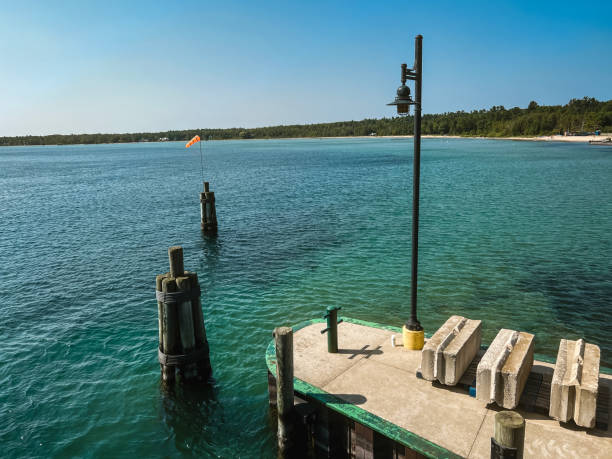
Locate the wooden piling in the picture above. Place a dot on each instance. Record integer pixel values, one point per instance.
(509, 433)
(160, 309)
(188, 371)
(211, 213)
(175, 256)
(283, 337)
(166, 372)
(362, 442)
(170, 333)
(208, 212)
(204, 370)
(203, 211)
(182, 334)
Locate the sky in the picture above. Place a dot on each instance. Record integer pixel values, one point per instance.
(118, 66)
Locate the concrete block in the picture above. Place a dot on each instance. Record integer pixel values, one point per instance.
(428, 354)
(516, 370)
(562, 399)
(575, 382)
(459, 354)
(503, 370)
(449, 352)
(586, 393)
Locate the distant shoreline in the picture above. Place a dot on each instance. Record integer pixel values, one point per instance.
(578, 116)
(544, 138)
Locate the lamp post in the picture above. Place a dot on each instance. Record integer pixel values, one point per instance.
(412, 332)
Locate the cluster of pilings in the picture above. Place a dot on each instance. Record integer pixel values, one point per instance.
(183, 347)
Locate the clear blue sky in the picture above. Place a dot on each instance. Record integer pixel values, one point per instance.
(119, 66)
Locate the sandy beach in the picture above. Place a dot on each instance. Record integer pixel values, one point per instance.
(562, 138)
(544, 138)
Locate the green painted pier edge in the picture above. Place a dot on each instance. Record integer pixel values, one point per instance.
(355, 413)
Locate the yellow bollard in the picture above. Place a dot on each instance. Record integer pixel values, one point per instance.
(414, 340)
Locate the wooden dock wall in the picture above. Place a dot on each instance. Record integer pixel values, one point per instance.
(323, 433)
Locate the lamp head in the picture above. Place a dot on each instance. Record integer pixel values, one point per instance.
(403, 100)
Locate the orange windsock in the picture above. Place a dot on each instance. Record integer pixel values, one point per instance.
(192, 141)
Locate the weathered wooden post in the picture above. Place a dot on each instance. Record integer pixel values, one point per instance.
(509, 436)
(182, 335)
(204, 370)
(332, 328)
(208, 212)
(283, 337)
(168, 323)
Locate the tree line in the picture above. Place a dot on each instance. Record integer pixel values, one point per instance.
(577, 116)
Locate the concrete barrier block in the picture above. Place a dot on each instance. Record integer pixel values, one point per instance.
(561, 398)
(503, 370)
(448, 353)
(586, 395)
(488, 376)
(428, 354)
(516, 370)
(461, 351)
(575, 383)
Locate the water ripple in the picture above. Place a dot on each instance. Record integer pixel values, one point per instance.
(303, 225)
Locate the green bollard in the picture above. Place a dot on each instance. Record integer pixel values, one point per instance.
(332, 328)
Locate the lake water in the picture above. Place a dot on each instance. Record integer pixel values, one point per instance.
(517, 234)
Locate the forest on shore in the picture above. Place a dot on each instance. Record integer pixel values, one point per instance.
(577, 116)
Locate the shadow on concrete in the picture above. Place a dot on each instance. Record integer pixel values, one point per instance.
(363, 351)
(348, 399)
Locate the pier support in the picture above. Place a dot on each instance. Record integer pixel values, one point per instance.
(208, 212)
(361, 442)
(168, 331)
(509, 436)
(503, 371)
(575, 383)
(283, 337)
(182, 336)
(449, 352)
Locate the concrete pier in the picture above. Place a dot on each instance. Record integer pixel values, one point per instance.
(367, 394)
(503, 370)
(449, 352)
(575, 383)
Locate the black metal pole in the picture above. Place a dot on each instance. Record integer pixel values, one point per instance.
(414, 324)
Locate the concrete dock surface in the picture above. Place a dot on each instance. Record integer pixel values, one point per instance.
(369, 373)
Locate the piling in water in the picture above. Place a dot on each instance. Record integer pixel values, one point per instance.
(283, 337)
(167, 327)
(208, 212)
(182, 336)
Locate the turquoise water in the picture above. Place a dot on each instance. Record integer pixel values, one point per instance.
(517, 234)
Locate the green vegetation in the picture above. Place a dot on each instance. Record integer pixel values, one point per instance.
(579, 115)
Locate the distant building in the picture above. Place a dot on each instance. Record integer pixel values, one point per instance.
(163, 139)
